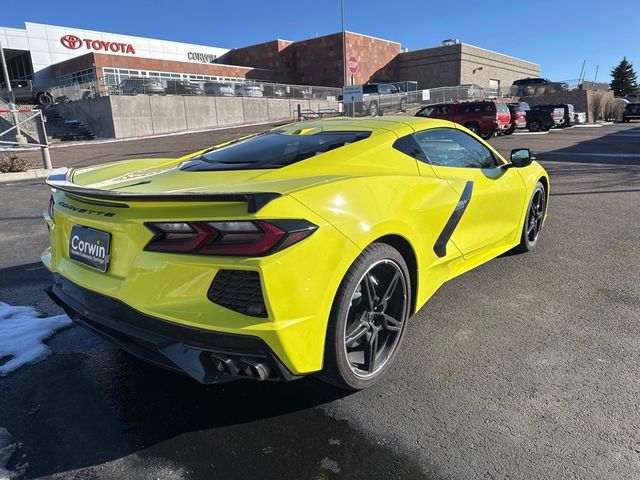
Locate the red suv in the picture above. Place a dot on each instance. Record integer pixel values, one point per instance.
(484, 118)
(518, 116)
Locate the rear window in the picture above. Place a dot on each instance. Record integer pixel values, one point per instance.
(274, 149)
(503, 108)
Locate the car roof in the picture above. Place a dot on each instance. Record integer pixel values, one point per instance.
(396, 124)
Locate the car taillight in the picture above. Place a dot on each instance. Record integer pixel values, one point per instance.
(51, 208)
(237, 238)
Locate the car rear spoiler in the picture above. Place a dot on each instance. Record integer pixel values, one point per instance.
(59, 179)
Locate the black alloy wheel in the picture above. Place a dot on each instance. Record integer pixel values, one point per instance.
(473, 127)
(368, 319)
(534, 126)
(534, 220)
(486, 135)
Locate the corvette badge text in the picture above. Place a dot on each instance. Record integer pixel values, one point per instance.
(99, 213)
(73, 42)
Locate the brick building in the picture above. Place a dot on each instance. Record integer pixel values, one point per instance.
(55, 55)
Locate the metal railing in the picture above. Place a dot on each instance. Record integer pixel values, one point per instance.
(14, 122)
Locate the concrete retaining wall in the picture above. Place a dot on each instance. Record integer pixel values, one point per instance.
(95, 113)
(124, 116)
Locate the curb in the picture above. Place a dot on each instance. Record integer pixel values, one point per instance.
(28, 175)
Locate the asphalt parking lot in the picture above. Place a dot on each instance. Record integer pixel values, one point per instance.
(526, 367)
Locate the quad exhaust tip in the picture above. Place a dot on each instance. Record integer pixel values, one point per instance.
(243, 367)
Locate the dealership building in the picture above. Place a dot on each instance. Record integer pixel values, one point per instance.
(54, 55)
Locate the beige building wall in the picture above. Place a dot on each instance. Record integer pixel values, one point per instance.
(461, 64)
(431, 67)
(481, 66)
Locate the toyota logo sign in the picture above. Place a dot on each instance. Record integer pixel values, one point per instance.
(71, 42)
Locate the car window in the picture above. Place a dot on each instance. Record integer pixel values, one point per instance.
(503, 108)
(433, 110)
(448, 147)
(274, 149)
(409, 146)
(369, 89)
(475, 107)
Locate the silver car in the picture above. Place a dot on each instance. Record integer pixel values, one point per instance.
(218, 89)
(247, 90)
(136, 85)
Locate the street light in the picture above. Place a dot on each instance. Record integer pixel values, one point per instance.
(12, 99)
(344, 45)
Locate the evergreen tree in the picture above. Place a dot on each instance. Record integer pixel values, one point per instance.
(624, 79)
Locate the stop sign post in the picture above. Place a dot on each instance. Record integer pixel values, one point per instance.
(353, 65)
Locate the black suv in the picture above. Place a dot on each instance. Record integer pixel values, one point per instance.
(536, 86)
(631, 112)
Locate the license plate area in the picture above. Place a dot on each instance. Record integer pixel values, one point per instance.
(90, 247)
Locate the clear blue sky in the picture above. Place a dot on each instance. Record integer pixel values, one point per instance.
(558, 35)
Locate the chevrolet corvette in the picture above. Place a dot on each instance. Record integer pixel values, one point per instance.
(301, 250)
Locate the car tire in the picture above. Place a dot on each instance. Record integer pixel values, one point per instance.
(534, 220)
(534, 126)
(372, 304)
(373, 109)
(510, 130)
(487, 135)
(403, 105)
(546, 128)
(473, 127)
(44, 99)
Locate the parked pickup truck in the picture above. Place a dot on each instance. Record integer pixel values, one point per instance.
(379, 97)
(536, 86)
(541, 118)
(25, 91)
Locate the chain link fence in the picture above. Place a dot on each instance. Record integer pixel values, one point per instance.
(156, 86)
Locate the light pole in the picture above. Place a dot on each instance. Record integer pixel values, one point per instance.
(12, 99)
(344, 45)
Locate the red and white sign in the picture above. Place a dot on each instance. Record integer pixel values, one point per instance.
(353, 64)
(73, 42)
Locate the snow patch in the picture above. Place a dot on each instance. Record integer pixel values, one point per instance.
(7, 448)
(22, 333)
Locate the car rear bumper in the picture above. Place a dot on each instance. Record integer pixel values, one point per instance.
(205, 355)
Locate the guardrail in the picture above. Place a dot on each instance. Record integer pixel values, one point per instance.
(27, 120)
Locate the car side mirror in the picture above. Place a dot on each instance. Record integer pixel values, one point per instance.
(521, 157)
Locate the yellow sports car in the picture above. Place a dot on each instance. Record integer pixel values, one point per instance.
(300, 250)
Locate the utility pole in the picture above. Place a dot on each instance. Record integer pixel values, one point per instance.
(12, 99)
(595, 79)
(344, 45)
